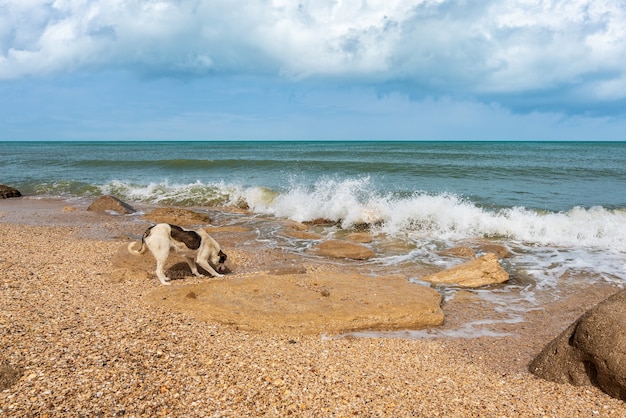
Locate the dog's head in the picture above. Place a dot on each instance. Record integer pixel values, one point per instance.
(218, 260)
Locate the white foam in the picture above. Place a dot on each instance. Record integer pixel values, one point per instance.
(348, 201)
(414, 216)
(472, 329)
(445, 216)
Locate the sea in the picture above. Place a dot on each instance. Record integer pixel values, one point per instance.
(558, 207)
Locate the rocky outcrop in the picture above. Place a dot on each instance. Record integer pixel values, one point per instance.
(177, 216)
(111, 205)
(8, 191)
(592, 351)
(482, 271)
(307, 303)
(343, 249)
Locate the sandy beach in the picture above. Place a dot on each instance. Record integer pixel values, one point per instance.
(75, 341)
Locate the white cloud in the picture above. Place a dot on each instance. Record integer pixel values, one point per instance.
(445, 47)
(544, 44)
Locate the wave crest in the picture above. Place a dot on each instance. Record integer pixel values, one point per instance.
(354, 202)
(443, 216)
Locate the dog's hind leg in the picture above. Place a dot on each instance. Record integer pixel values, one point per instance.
(160, 273)
(160, 250)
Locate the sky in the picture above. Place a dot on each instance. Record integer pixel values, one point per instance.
(312, 70)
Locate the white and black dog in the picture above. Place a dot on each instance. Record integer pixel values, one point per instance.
(195, 245)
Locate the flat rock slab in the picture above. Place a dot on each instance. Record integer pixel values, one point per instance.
(307, 303)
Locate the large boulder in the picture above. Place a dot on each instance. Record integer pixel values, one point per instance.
(307, 303)
(8, 191)
(111, 205)
(482, 271)
(591, 351)
(177, 216)
(343, 249)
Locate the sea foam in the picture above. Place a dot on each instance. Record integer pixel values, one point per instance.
(444, 216)
(411, 215)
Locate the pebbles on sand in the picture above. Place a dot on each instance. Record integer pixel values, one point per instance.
(86, 345)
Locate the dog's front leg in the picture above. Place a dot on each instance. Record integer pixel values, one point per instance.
(192, 265)
(205, 265)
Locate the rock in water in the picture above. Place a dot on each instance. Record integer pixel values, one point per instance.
(8, 191)
(110, 204)
(482, 271)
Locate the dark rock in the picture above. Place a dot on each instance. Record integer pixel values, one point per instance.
(592, 351)
(8, 191)
(110, 204)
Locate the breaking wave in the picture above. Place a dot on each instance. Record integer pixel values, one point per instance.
(442, 216)
(351, 202)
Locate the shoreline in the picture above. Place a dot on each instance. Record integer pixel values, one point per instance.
(85, 344)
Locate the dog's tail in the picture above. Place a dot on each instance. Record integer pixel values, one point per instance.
(133, 251)
(142, 249)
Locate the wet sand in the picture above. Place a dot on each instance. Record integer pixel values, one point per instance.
(81, 343)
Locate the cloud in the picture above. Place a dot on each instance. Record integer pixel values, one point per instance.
(573, 50)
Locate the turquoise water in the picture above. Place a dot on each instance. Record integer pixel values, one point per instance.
(552, 176)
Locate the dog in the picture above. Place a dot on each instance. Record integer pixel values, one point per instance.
(195, 245)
